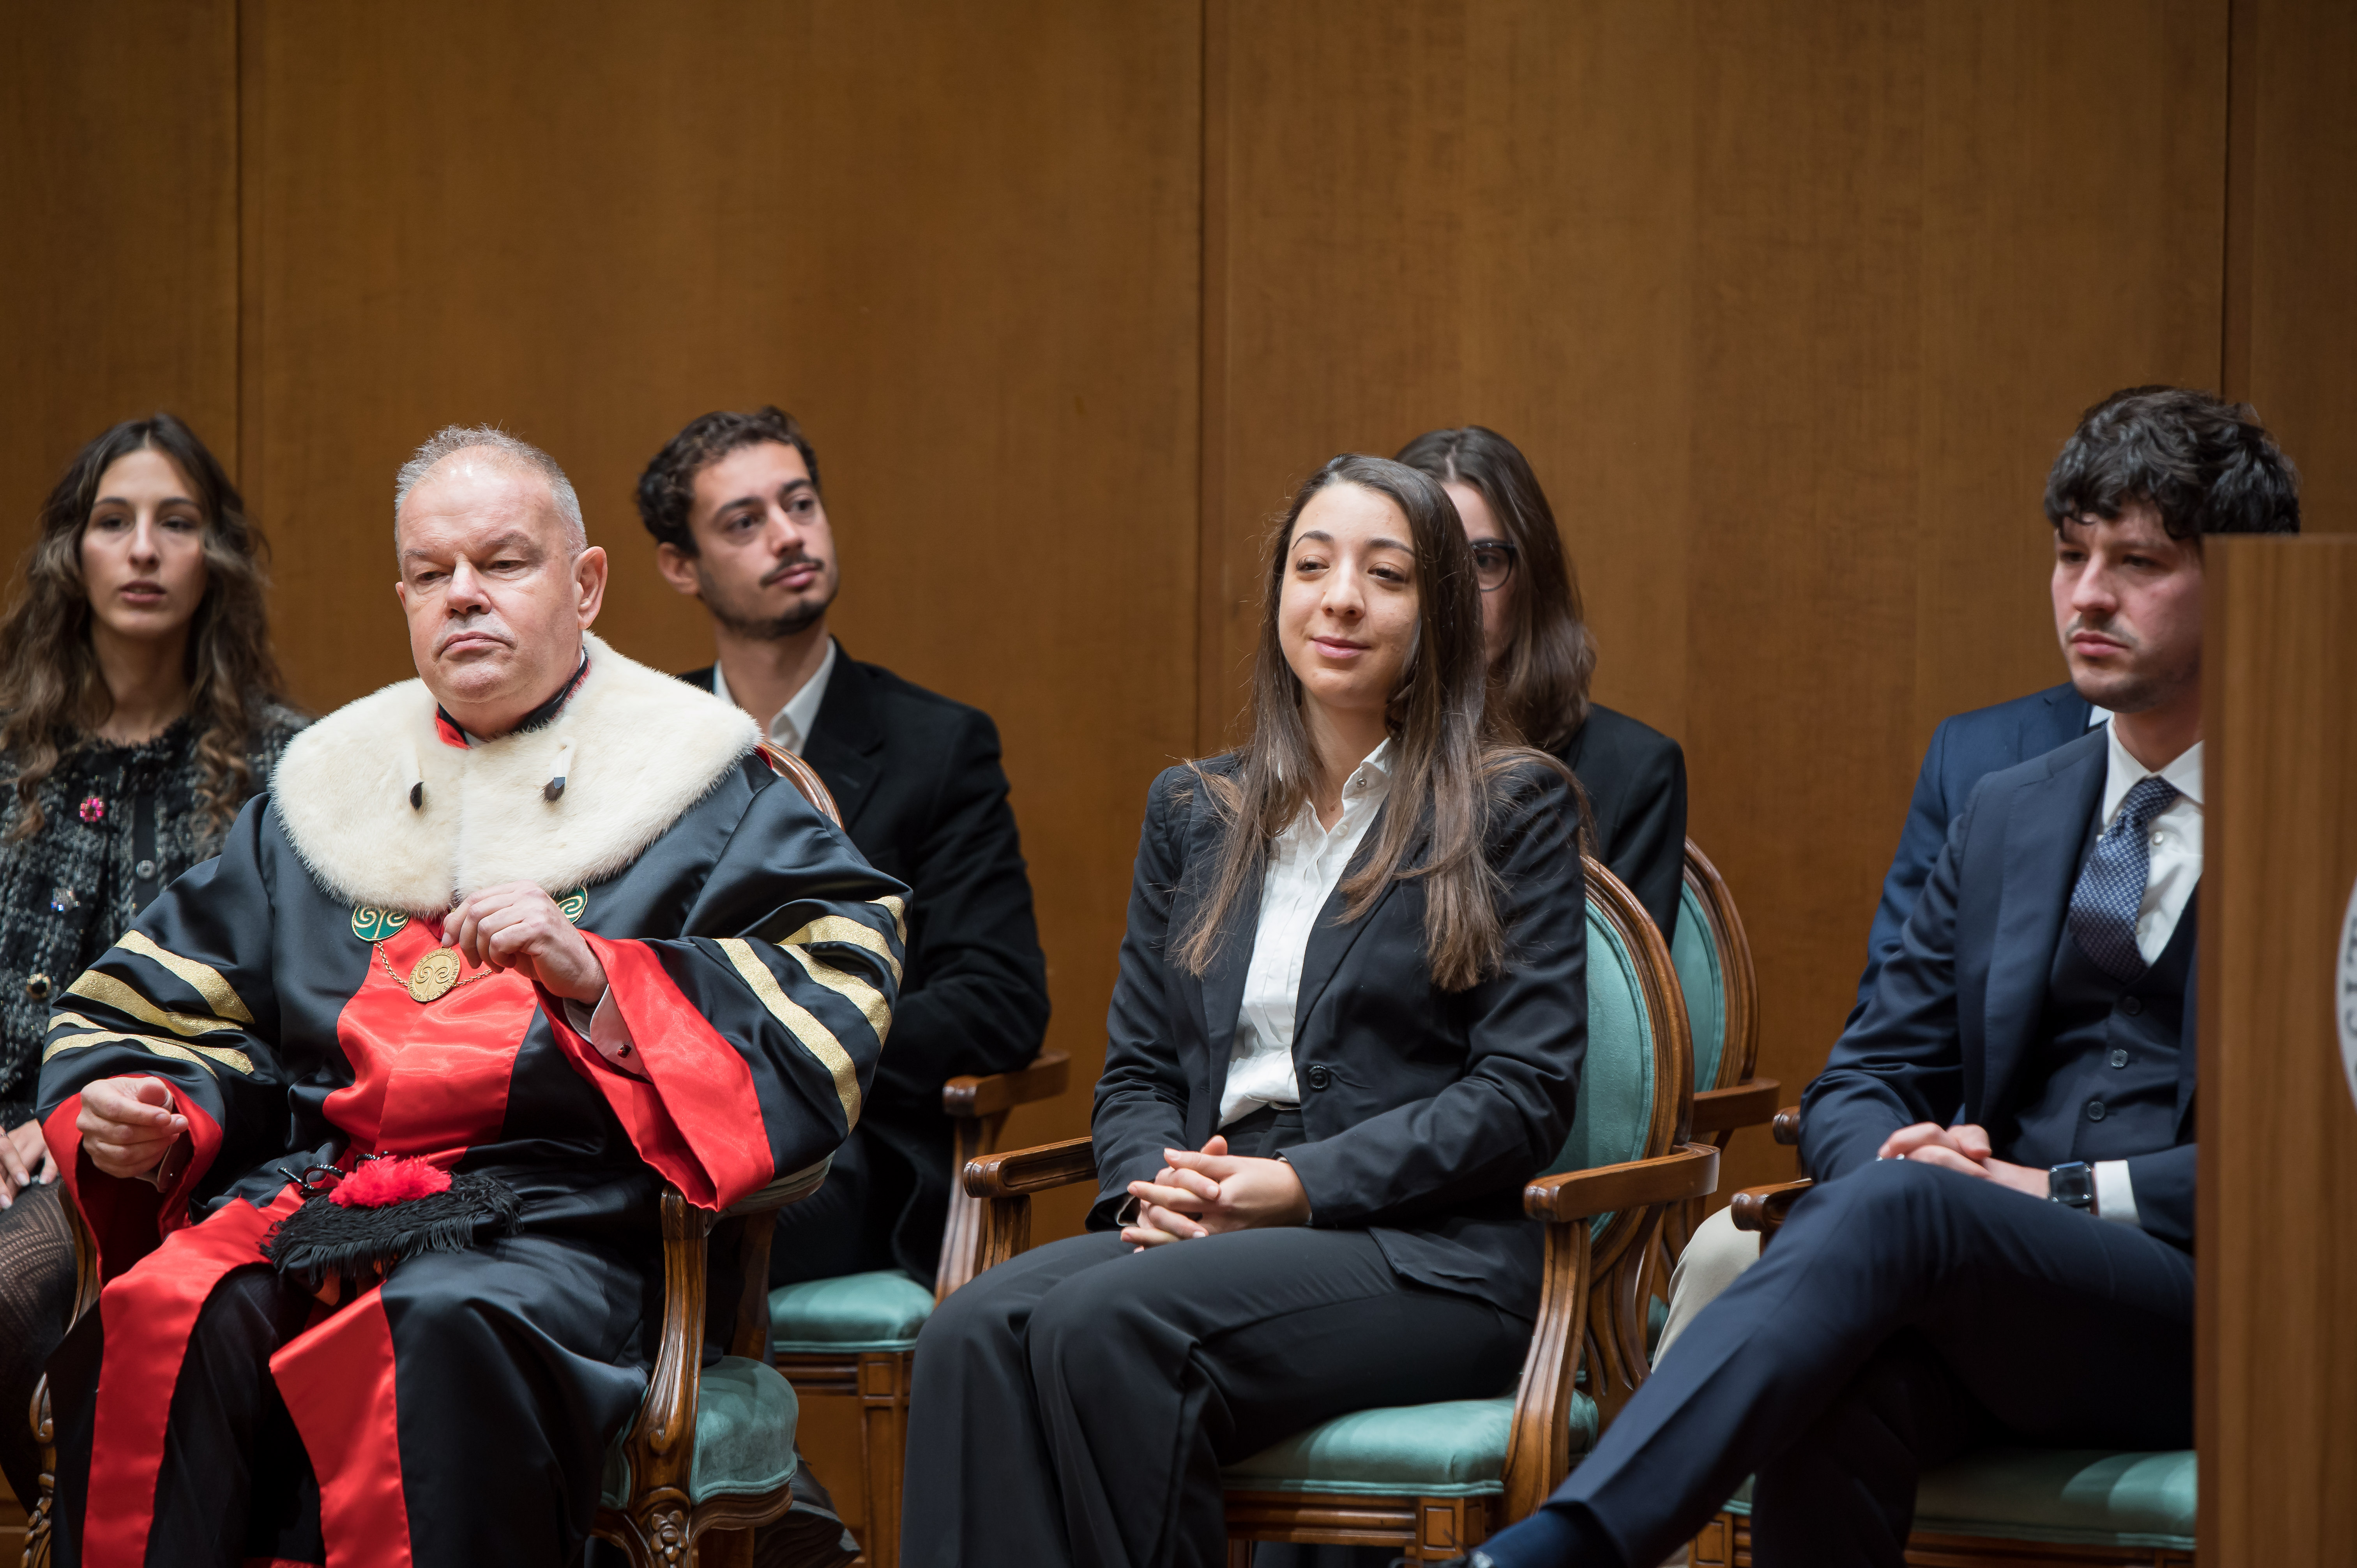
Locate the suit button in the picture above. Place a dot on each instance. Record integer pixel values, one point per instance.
(2131, 1005)
(1318, 1077)
(2094, 1111)
(2119, 1059)
(36, 987)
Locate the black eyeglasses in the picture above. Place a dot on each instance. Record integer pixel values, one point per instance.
(1493, 563)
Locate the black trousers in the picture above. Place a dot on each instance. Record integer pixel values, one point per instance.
(1074, 1404)
(1904, 1315)
(514, 1364)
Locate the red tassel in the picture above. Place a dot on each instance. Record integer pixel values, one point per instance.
(379, 1182)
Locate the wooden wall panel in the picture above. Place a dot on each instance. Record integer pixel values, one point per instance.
(2292, 241)
(1790, 309)
(959, 245)
(118, 278)
(2276, 1366)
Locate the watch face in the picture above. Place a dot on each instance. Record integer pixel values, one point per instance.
(2073, 1183)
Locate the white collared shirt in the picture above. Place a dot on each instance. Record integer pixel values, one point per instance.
(1305, 862)
(790, 727)
(2174, 851)
(2175, 843)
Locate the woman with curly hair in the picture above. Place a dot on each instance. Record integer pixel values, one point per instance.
(139, 711)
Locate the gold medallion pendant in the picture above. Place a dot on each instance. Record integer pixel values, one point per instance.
(435, 975)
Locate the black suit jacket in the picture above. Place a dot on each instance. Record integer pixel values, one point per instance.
(1966, 748)
(1426, 1111)
(1957, 1011)
(917, 780)
(1636, 781)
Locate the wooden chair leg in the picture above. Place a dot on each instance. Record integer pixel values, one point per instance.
(1240, 1552)
(883, 1448)
(1449, 1527)
(1715, 1547)
(722, 1549)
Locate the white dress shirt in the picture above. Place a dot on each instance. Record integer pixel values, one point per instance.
(1306, 864)
(2175, 869)
(790, 727)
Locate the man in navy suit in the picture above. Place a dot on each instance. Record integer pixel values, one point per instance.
(2022, 1272)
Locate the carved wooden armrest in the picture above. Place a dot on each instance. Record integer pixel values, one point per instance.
(1745, 1104)
(1763, 1208)
(993, 1094)
(1040, 1168)
(1786, 1127)
(1690, 1171)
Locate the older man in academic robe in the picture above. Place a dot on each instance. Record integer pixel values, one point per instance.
(541, 924)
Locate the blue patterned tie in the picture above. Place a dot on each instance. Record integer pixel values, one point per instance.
(2111, 890)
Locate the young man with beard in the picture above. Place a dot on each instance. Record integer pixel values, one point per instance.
(739, 521)
(2021, 1272)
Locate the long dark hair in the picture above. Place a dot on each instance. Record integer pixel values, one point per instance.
(1539, 690)
(51, 692)
(1448, 770)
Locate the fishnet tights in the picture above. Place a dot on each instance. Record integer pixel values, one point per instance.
(37, 1282)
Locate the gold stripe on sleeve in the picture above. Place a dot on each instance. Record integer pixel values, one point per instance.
(899, 907)
(800, 1023)
(202, 978)
(203, 1055)
(850, 933)
(102, 987)
(850, 987)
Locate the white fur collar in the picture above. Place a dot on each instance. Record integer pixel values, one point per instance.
(636, 748)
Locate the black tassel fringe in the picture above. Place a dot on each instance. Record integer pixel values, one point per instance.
(324, 1238)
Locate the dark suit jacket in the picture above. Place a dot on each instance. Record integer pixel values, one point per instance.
(1636, 781)
(1956, 1012)
(1966, 750)
(1425, 1110)
(917, 779)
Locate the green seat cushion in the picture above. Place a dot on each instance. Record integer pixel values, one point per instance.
(1615, 1109)
(2079, 1497)
(1702, 975)
(1456, 1448)
(745, 1416)
(879, 1311)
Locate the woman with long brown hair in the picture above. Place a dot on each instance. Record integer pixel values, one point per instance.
(1541, 655)
(1348, 1027)
(139, 711)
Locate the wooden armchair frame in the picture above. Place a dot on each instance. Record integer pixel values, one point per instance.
(661, 1526)
(880, 1379)
(1726, 1541)
(1590, 1298)
(1735, 1098)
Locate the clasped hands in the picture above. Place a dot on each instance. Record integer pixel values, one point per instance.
(1964, 1149)
(518, 925)
(1203, 1194)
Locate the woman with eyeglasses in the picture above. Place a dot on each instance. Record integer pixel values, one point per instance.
(1541, 656)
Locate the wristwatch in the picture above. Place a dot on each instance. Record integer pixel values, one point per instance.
(2072, 1185)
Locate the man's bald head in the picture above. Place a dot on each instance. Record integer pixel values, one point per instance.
(488, 444)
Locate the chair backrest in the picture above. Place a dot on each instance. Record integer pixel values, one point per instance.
(802, 777)
(1714, 962)
(1636, 1089)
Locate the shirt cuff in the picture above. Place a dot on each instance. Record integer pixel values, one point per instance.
(607, 1033)
(2115, 1193)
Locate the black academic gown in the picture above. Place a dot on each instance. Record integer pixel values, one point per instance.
(917, 780)
(460, 1412)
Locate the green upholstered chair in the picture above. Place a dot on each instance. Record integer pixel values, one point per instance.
(2002, 1507)
(1713, 957)
(856, 1334)
(1428, 1481)
(712, 1452)
(2024, 1507)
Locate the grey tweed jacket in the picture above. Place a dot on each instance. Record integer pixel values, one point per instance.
(119, 822)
